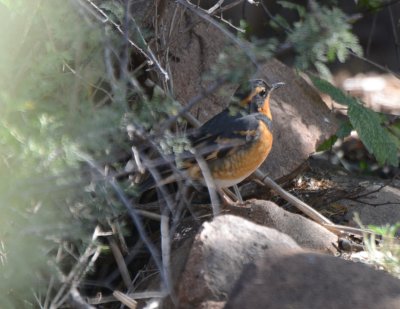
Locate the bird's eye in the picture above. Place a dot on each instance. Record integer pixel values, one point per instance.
(262, 93)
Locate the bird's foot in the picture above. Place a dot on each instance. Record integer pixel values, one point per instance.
(228, 199)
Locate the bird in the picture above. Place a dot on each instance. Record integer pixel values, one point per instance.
(233, 143)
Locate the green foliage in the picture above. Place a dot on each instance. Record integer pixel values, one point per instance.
(328, 144)
(50, 65)
(386, 255)
(321, 35)
(6, 3)
(56, 103)
(294, 6)
(370, 4)
(386, 231)
(394, 130)
(366, 122)
(344, 130)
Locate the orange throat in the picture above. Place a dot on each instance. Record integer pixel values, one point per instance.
(265, 109)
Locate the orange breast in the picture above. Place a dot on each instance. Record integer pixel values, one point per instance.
(238, 166)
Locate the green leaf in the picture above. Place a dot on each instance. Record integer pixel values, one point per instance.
(344, 129)
(335, 93)
(375, 138)
(323, 70)
(331, 54)
(327, 144)
(279, 22)
(366, 122)
(370, 4)
(292, 6)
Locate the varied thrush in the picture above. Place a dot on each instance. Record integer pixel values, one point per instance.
(235, 142)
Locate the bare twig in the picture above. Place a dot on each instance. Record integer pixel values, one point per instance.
(132, 212)
(230, 24)
(125, 299)
(123, 269)
(86, 260)
(396, 39)
(138, 162)
(149, 214)
(210, 183)
(272, 17)
(312, 213)
(309, 211)
(77, 300)
(132, 253)
(151, 59)
(150, 52)
(243, 46)
(3, 253)
(211, 89)
(138, 295)
(375, 64)
(373, 26)
(159, 181)
(118, 27)
(228, 6)
(215, 7)
(166, 250)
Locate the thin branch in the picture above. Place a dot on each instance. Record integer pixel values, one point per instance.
(77, 272)
(215, 7)
(312, 213)
(379, 66)
(119, 259)
(243, 45)
(396, 39)
(151, 59)
(131, 211)
(272, 17)
(195, 100)
(166, 250)
(373, 26)
(152, 56)
(118, 27)
(230, 24)
(137, 295)
(127, 260)
(306, 209)
(209, 182)
(228, 6)
(77, 300)
(125, 299)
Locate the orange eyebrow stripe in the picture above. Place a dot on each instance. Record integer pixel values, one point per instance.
(247, 99)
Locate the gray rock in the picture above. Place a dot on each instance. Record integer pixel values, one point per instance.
(305, 232)
(298, 280)
(219, 252)
(378, 208)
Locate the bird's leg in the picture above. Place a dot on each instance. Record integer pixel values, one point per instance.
(237, 192)
(228, 198)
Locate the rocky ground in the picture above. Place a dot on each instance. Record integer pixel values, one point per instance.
(265, 254)
(260, 255)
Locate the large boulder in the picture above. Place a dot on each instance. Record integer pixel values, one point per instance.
(219, 252)
(298, 280)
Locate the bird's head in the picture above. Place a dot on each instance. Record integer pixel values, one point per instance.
(254, 96)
